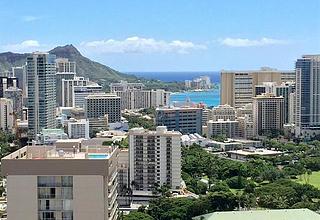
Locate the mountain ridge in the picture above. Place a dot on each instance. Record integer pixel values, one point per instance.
(84, 66)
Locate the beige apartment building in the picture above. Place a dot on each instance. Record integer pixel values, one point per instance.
(225, 112)
(155, 159)
(268, 113)
(238, 87)
(52, 183)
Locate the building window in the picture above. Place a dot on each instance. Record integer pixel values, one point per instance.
(55, 194)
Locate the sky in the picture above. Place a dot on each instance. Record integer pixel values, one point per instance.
(167, 35)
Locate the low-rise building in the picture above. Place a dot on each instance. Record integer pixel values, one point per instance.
(50, 136)
(245, 154)
(292, 214)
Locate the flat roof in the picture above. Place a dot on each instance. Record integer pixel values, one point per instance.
(281, 214)
(51, 153)
(260, 151)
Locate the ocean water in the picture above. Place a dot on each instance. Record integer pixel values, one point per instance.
(210, 98)
(178, 76)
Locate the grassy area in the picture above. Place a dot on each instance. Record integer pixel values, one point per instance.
(313, 179)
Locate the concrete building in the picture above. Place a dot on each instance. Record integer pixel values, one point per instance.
(292, 214)
(60, 76)
(78, 128)
(292, 108)
(67, 90)
(81, 92)
(228, 128)
(245, 154)
(21, 75)
(138, 99)
(186, 120)
(6, 82)
(284, 90)
(99, 105)
(41, 73)
(206, 115)
(238, 87)
(308, 96)
(15, 94)
(155, 159)
(224, 112)
(160, 98)
(63, 65)
(202, 82)
(124, 197)
(7, 120)
(268, 114)
(246, 127)
(124, 86)
(50, 136)
(49, 182)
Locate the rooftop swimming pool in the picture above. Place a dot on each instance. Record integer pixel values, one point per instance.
(98, 156)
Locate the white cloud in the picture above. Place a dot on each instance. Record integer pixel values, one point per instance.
(29, 18)
(244, 42)
(25, 46)
(141, 45)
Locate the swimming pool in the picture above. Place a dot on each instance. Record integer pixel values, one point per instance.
(98, 156)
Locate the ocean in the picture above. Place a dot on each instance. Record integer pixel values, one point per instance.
(210, 98)
(178, 76)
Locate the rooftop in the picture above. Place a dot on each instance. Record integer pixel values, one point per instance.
(162, 130)
(51, 152)
(281, 214)
(253, 151)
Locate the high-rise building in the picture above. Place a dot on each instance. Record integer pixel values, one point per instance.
(60, 76)
(78, 128)
(284, 90)
(81, 92)
(63, 65)
(15, 94)
(41, 73)
(67, 90)
(185, 120)
(160, 98)
(6, 82)
(246, 127)
(6, 114)
(124, 185)
(268, 114)
(226, 128)
(124, 86)
(137, 99)
(65, 70)
(225, 112)
(292, 108)
(20, 74)
(308, 96)
(155, 159)
(238, 87)
(99, 105)
(70, 182)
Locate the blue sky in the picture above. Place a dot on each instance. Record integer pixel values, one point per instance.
(167, 35)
